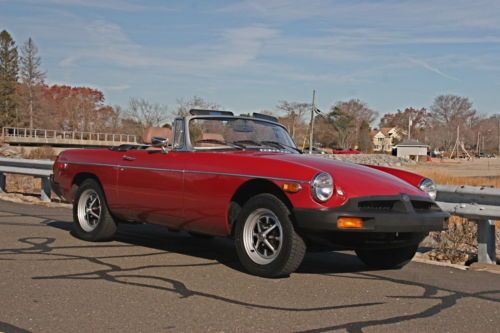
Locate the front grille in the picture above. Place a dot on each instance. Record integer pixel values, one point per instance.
(377, 205)
(423, 206)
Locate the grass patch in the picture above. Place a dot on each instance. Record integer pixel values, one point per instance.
(443, 178)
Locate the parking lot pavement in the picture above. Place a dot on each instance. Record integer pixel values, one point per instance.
(151, 280)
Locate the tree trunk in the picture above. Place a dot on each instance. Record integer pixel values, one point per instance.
(31, 106)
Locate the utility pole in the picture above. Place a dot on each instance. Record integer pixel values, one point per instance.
(311, 133)
(498, 120)
(409, 127)
(478, 144)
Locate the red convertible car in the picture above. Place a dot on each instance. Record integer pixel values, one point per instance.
(243, 177)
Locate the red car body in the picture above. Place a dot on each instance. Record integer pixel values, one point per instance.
(203, 191)
(193, 190)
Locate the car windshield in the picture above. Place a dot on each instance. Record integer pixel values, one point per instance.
(238, 133)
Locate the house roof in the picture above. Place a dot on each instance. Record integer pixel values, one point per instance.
(412, 143)
(385, 130)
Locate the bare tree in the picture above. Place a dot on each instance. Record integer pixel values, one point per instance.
(195, 102)
(146, 113)
(30, 73)
(294, 115)
(449, 112)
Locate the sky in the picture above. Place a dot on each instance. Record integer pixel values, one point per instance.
(249, 55)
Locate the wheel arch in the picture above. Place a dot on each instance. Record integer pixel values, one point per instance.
(248, 190)
(79, 178)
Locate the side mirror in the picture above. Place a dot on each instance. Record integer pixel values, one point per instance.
(160, 143)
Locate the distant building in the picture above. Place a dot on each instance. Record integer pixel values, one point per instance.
(385, 138)
(412, 149)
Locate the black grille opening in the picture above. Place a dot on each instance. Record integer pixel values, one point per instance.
(423, 206)
(384, 205)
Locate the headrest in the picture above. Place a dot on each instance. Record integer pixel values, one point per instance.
(161, 132)
(213, 136)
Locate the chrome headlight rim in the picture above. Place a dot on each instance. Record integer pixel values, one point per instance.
(322, 187)
(428, 186)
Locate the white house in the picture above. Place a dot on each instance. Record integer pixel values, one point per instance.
(385, 138)
(412, 149)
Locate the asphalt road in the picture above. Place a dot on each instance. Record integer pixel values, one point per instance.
(151, 280)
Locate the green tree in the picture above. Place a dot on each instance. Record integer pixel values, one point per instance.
(365, 139)
(31, 75)
(358, 113)
(8, 78)
(344, 124)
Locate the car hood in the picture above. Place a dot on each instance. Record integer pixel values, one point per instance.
(353, 179)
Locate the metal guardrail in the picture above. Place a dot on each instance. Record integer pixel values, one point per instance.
(37, 168)
(478, 204)
(45, 136)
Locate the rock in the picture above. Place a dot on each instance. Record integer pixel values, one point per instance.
(374, 159)
(8, 151)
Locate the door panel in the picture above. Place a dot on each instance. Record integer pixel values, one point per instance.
(209, 185)
(207, 201)
(151, 187)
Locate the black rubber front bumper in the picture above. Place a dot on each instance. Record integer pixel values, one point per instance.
(401, 213)
(55, 187)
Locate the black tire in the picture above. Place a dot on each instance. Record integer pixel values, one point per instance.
(290, 247)
(199, 236)
(102, 228)
(387, 258)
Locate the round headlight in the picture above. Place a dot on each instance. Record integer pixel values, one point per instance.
(428, 187)
(322, 187)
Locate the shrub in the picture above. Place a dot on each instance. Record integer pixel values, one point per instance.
(458, 244)
(42, 153)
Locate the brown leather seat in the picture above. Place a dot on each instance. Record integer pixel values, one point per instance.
(213, 136)
(210, 136)
(161, 132)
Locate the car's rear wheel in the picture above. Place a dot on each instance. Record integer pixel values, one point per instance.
(91, 218)
(266, 241)
(387, 258)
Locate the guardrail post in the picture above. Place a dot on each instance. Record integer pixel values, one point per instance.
(486, 248)
(46, 190)
(2, 182)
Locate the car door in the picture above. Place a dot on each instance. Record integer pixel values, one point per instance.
(150, 186)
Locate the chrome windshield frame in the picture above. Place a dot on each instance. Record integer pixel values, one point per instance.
(187, 139)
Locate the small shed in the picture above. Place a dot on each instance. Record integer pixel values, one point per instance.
(411, 149)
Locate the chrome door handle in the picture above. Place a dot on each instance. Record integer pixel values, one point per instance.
(128, 158)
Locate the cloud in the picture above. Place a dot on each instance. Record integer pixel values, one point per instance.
(115, 5)
(242, 45)
(433, 69)
(422, 14)
(119, 87)
(106, 42)
(103, 42)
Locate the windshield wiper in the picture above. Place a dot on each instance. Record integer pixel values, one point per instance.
(245, 142)
(220, 142)
(281, 145)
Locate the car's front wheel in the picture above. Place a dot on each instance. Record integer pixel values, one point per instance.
(91, 218)
(387, 258)
(266, 241)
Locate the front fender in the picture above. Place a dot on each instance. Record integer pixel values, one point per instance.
(409, 177)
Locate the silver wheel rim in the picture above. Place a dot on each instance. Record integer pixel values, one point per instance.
(262, 236)
(89, 210)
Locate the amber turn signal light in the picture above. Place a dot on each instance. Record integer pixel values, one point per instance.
(349, 223)
(291, 187)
